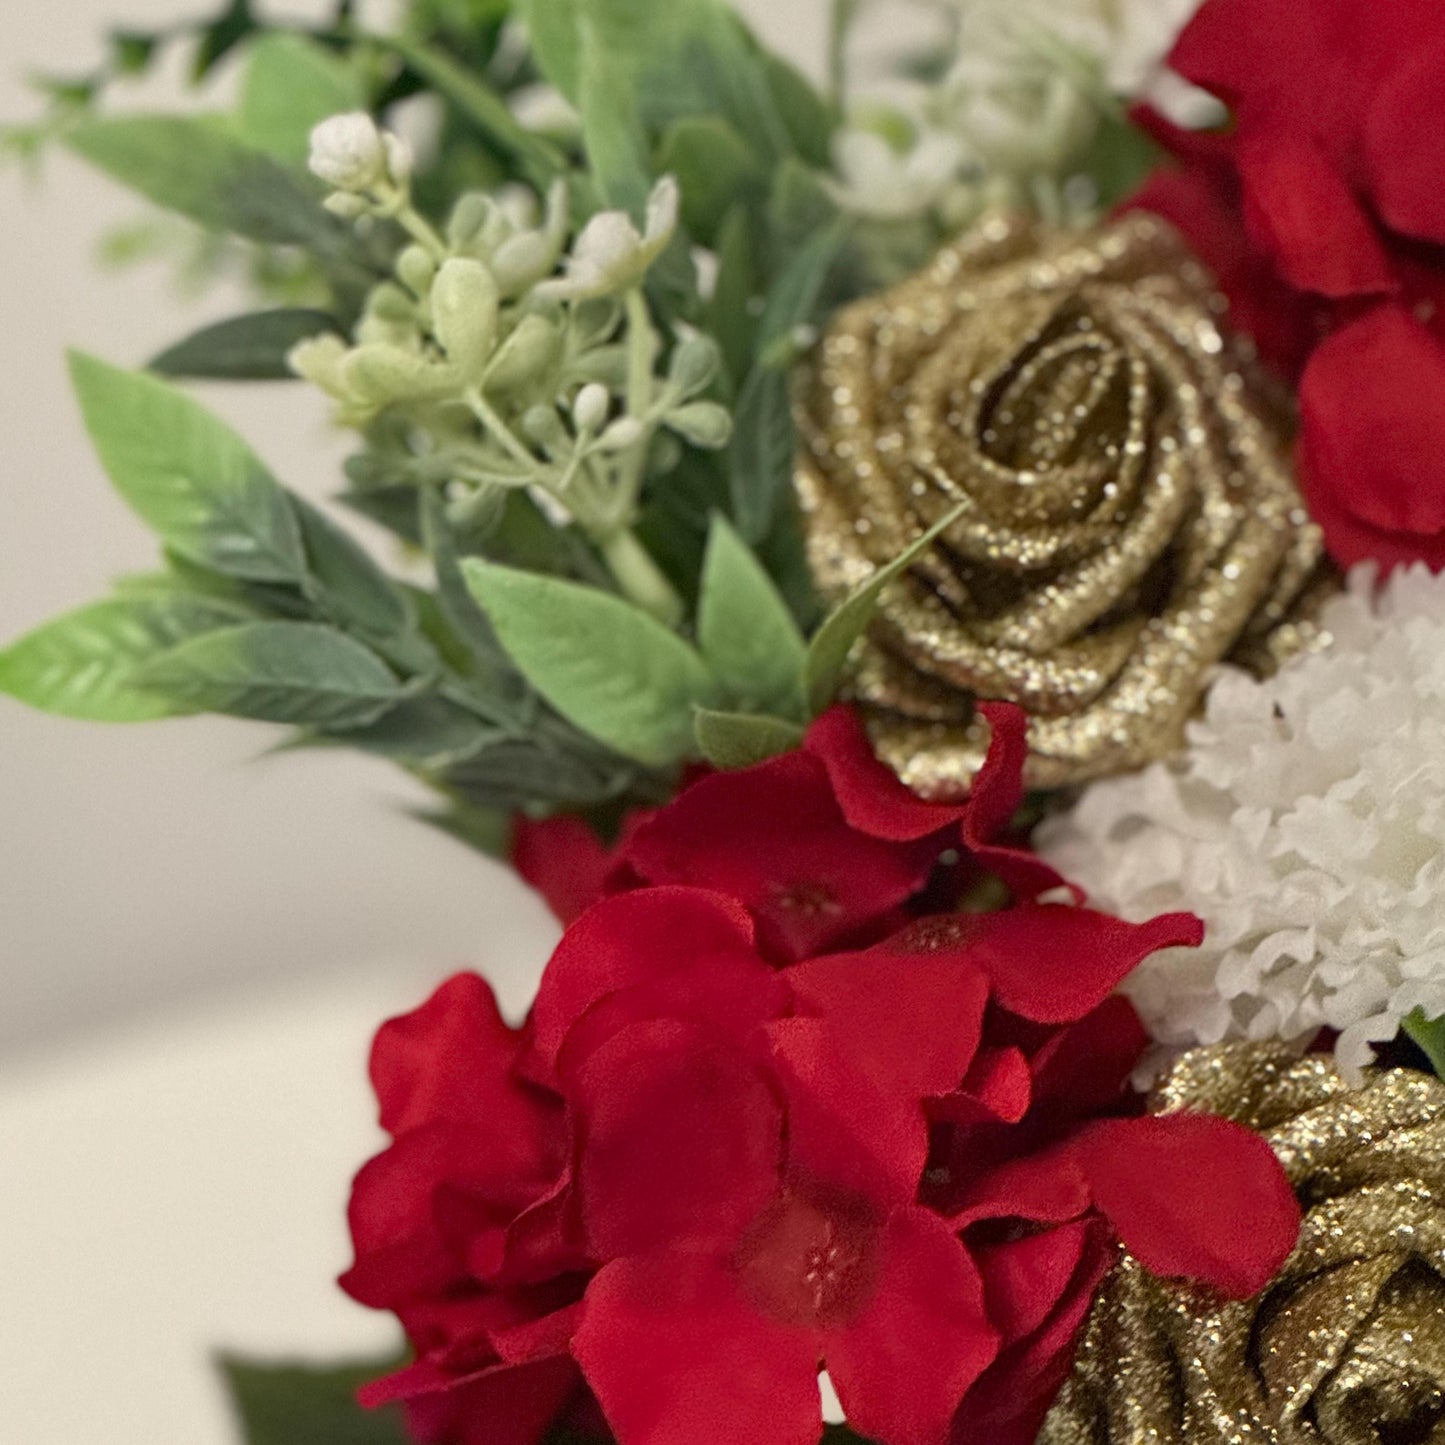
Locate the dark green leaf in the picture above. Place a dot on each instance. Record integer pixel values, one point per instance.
(188, 476)
(609, 668)
(425, 733)
(488, 830)
(714, 167)
(307, 1405)
(760, 460)
(519, 774)
(810, 120)
(291, 85)
(193, 165)
(1119, 159)
(345, 582)
(84, 664)
(794, 299)
(746, 632)
(834, 640)
(221, 38)
(1430, 1035)
(611, 132)
(281, 672)
(731, 319)
(245, 348)
(731, 740)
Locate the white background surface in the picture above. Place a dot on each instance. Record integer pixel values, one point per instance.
(195, 947)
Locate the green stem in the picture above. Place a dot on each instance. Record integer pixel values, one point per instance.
(490, 418)
(640, 578)
(641, 353)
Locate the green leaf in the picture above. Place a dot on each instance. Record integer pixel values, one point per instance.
(714, 167)
(305, 1405)
(290, 86)
(732, 740)
(810, 120)
(730, 319)
(609, 668)
(282, 672)
(425, 733)
(84, 664)
(613, 137)
(189, 477)
(481, 106)
(760, 460)
(518, 773)
(834, 640)
(194, 166)
(745, 630)
(1429, 1034)
(346, 583)
(245, 348)
(795, 297)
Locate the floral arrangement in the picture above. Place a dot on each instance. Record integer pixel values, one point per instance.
(831, 529)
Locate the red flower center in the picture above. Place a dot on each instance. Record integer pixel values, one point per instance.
(810, 1260)
(811, 900)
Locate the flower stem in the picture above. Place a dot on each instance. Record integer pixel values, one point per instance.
(640, 578)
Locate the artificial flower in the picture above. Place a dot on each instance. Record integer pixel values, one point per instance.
(824, 844)
(611, 255)
(905, 1165)
(1306, 824)
(1323, 215)
(351, 153)
(878, 180)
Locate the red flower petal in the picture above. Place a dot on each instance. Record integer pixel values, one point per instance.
(628, 940)
(844, 1130)
(911, 1025)
(451, 1060)
(1049, 1187)
(902, 1367)
(870, 795)
(775, 837)
(564, 860)
(1238, 47)
(998, 1090)
(680, 1138)
(1407, 174)
(1085, 1069)
(1193, 1196)
(1025, 1279)
(1372, 458)
(1300, 208)
(677, 1356)
(1048, 963)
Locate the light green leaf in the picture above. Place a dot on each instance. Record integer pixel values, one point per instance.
(616, 146)
(296, 1405)
(834, 640)
(745, 630)
(84, 664)
(290, 86)
(193, 165)
(188, 476)
(714, 167)
(732, 740)
(282, 672)
(760, 460)
(1429, 1034)
(609, 668)
(245, 348)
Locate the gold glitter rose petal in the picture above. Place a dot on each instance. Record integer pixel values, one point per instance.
(1131, 520)
(1347, 1345)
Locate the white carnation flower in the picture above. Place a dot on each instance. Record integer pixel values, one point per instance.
(611, 254)
(1306, 825)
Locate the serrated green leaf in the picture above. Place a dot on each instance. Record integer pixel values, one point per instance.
(746, 632)
(834, 640)
(1429, 1034)
(306, 1405)
(282, 672)
(290, 86)
(245, 348)
(609, 668)
(715, 167)
(188, 476)
(760, 460)
(192, 165)
(84, 664)
(732, 740)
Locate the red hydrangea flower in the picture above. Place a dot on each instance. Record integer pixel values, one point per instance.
(906, 1165)
(1322, 211)
(824, 845)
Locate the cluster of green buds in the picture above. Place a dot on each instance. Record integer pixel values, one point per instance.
(514, 362)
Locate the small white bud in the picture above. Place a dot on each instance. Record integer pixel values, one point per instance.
(623, 434)
(464, 312)
(530, 350)
(703, 423)
(348, 152)
(611, 255)
(400, 159)
(417, 267)
(590, 409)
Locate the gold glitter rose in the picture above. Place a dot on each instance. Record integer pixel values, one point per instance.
(1132, 519)
(1347, 1346)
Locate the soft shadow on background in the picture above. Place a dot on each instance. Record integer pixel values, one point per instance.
(196, 942)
